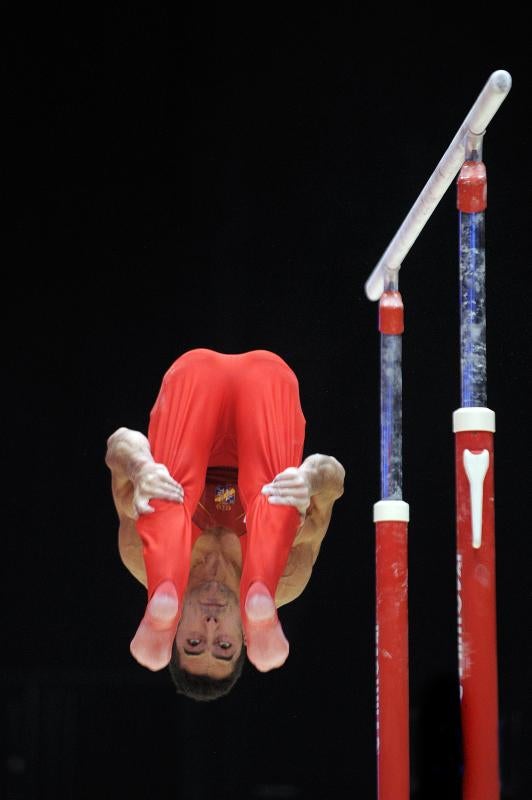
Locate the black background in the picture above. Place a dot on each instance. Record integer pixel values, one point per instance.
(211, 179)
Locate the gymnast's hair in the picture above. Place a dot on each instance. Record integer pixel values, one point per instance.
(203, 687)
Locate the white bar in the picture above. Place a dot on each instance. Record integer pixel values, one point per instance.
(473, 419)
(391, 511)
(484, 108)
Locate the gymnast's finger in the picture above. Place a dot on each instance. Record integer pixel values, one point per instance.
(280, 487)
(143, 507)
(172, 484)
(169, 493)
(286, 500)
(278, 483)
(288, 486)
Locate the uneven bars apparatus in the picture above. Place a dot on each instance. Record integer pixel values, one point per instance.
(473, 426)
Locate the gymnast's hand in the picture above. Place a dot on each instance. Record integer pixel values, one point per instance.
(153, 481)
(290, 488)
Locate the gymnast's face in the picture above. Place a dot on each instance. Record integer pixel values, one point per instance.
(209, 637)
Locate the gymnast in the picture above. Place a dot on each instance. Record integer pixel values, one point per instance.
(216, 518)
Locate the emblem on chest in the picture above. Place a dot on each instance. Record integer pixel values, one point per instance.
(224, 497)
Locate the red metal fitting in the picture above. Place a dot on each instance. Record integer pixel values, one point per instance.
(472, 187)
(391, 313)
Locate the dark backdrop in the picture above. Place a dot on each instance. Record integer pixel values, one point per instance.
(206, 179)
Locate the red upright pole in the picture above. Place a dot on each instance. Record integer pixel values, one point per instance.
(393, 746)
(474, 427)
(477, 641)
(391, 517)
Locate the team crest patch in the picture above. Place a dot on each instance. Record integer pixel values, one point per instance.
(224, 497)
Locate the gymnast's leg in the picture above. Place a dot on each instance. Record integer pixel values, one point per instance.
(270, 436)
(182, 429)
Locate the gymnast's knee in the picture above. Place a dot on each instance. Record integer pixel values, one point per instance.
(263, 364)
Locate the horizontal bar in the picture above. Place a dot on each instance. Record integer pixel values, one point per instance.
(484, 108)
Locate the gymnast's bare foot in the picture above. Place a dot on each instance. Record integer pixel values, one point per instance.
(152, 644)
(267, 646)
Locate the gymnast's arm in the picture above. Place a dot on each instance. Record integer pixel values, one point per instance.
(136, 477)
(127, 452)
(325, 476)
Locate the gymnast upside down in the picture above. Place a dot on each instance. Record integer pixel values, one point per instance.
(218, 518)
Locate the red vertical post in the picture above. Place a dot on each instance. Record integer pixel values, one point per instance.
(393, 735)
(477, 638)
(474, 428)
(391, 516)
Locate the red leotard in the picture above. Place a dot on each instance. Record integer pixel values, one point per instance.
(241, 412)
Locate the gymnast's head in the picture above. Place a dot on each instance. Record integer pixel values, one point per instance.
(208, 653)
